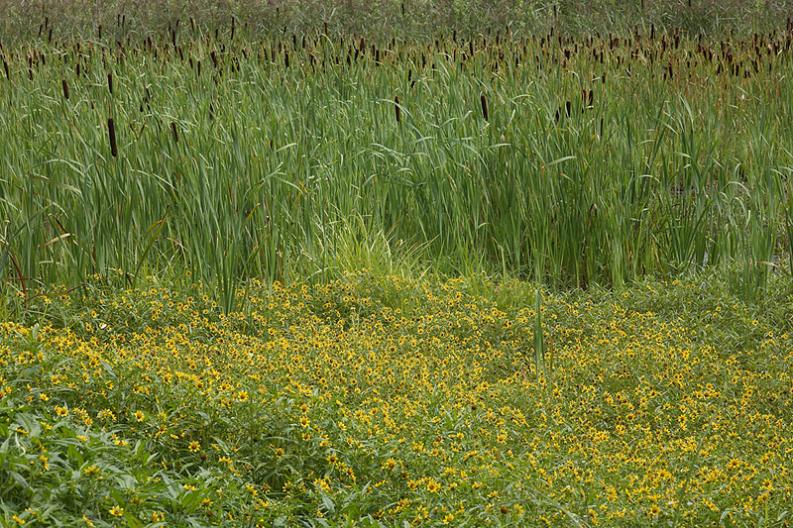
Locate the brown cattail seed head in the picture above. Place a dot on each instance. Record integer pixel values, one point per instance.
(397, 109)
(111, 132)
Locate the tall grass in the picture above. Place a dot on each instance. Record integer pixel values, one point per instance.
(580, 160)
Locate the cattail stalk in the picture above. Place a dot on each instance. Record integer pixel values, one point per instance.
(485, 112)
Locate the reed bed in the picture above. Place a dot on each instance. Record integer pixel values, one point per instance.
(569, 160)
(110, 20)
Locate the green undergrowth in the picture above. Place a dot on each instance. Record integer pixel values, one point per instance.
(386, 401)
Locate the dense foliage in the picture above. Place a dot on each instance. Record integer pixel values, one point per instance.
(389, 402)
(574, 160)
(69, 19)
(267, 263)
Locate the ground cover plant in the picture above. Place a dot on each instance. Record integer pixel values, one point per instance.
(320, 263)
(395, 402)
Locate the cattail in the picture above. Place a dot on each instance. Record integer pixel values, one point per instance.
(111, 131)
(483, 101)
(286, 58)
(397, 109)
(65, 87)
(233, 26)
(5, 68)
(110, 83)
(174, 132)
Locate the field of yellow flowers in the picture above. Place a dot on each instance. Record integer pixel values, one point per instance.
(394, 402)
